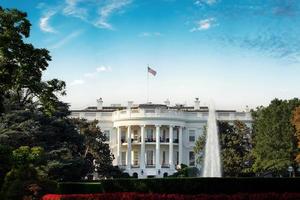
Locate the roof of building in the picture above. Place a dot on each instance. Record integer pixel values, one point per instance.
(148, 106)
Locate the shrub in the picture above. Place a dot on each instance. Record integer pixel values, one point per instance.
(185, 185)
(153, 196)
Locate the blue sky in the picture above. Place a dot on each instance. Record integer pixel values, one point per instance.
(237, 53)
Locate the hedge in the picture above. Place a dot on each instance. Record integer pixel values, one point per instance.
(143, 196)
(184, 186)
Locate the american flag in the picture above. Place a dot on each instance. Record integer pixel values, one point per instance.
(151, 71)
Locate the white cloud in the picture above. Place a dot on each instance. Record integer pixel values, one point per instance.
(103, 69)
(90, 75)
(77, 82)
(204, 24)
(65, 40)
(109, 9)
(72, 9)
(97, 70)
(95, 12)
(150, 34)
(44, 22)
(202, 2)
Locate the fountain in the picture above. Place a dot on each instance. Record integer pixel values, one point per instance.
(212, 160)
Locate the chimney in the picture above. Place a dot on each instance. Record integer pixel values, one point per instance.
(129, 105)
(197, 104)
(167, 102)
(99, 104)
(247, 109)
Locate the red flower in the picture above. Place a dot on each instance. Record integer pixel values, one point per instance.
(153, 196)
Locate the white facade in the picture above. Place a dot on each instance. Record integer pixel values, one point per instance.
(151, 139)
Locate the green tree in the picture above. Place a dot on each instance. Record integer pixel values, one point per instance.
(185, 171)
(199, 148)
(21, 67)
(5, 161)
(296, 122)
(30, 110)
(235, 142)
(96, 153)
(57, 134)
(23, 173)
(274, 137)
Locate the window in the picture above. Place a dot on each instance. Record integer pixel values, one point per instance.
(150, 157)
(123, 157)
(150, 135)
(106, 133)
(192, 135)
(123, 136)
(135, 158)
(177, 158)
(135, 135)
(163, 158)
(164, 135)
(192, 158)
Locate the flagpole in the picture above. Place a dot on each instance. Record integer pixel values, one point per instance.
(147, 86)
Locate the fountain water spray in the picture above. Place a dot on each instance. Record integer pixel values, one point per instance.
(212, 160)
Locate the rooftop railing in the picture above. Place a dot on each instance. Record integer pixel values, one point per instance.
(161, 113)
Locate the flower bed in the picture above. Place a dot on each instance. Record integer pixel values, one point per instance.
(152, 196)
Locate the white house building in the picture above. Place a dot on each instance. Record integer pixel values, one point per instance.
(151, 139)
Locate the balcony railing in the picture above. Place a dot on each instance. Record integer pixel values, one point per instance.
(174, 114)
(148, 140)
(157, 113)
(150, 166)
(165, 166)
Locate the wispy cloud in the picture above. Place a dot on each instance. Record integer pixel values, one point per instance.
(77, 82)
(44, 22)
(72, 9)
(94, 12)
(66, 39)
(205, 2)
(109, 9)
(97, 71)
(204, 24)
(103, 69)
(150, 34)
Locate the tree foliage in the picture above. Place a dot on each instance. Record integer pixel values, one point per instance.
(235, 141)
(274, 137)
(199, 148)
(5, 161)
(97, 153)
(296, 122)
(185, 171)
(23, 172)
(32, 115)
(21, 66)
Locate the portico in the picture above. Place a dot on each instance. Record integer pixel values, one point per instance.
(150, 146)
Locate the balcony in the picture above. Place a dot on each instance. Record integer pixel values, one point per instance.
(135, 166)
(150, 140)
(158, 113)
(150, 166)
(165, 165)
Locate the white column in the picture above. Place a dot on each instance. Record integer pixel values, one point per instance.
(129, 147)
(171, 147)
(180, 145)
(119, 145)
(142, 164)
(157, 149)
